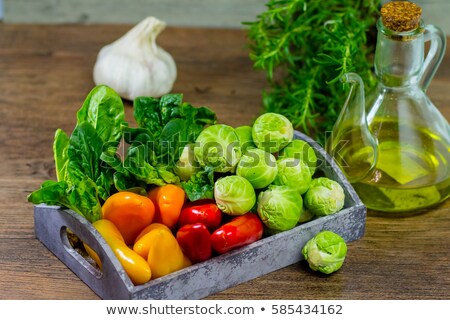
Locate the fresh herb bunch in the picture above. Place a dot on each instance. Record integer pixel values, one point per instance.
(305, 47)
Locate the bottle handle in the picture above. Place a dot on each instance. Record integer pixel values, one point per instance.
(438, 42)
(350, 128)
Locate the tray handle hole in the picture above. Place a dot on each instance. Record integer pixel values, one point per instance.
(74, 246)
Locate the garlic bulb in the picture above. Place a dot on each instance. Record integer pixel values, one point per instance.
(134, 65)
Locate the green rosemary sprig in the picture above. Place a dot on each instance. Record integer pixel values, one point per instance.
(304, 47)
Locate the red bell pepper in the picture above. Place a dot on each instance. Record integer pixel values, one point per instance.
(195, 241)
(240, 231)
(204, 211)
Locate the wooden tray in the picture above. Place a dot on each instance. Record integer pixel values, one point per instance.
(202, 279)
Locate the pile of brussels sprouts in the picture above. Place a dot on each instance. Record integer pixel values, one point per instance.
(267, 171)
(263, 169)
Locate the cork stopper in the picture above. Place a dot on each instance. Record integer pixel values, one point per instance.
(400, 16)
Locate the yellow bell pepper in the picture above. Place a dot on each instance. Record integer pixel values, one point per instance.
(142, 247)
(134, 265)
(159, 246)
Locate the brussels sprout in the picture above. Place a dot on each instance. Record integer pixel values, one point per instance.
(324, 197)
(258, 167)
(186, 165)
(234, 195)
(245, 137)
(279, 207)
(301, 150)
(306, 215)
(272, 132)
(293, 173)
(217, 146)
(325, 252)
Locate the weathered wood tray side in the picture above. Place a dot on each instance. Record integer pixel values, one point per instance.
(206, 278)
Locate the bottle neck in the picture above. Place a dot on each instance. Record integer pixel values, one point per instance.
(399, 56)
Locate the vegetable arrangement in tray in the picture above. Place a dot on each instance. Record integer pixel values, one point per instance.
(180, 188)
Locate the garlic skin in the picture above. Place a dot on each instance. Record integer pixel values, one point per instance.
(134, 65)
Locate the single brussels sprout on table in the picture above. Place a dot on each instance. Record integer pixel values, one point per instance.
(258, 167)
(324, 197)
(245, 137)
(279, 207)
(272, 132)
(217, 146)
(293, 173)
(234, 195)
(186, 165)
(301, 150)
(325, 252)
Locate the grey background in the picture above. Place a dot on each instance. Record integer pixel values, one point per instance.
(197, 13)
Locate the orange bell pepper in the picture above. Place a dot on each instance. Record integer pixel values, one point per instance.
(168, 201)
(162, 251)
(136, 267)
(130, 212)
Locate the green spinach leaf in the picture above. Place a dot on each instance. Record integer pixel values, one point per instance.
(81, 198)
(122, 178)
(51, 193)
(136, 163)
(85, 148)
(174, 137)
(126, 182)
(103, 108)
(60, 147)
(147, 114)
(201, 185)
(167, 125)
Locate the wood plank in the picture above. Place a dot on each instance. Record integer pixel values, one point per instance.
(29, 271)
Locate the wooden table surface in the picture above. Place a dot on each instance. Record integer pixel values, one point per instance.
(45, 74)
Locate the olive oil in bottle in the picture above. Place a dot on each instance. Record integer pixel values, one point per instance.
(410, 173)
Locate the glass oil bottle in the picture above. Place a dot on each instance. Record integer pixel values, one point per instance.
(394, 144)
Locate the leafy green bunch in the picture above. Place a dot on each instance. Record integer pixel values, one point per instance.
(304, 47)
(90, 163)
